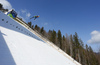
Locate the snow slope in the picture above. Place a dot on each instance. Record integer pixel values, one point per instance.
(19, 46)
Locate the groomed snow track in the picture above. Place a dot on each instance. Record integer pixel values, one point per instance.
(19, 45)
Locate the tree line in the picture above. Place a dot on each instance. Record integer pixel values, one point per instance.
(71, 44)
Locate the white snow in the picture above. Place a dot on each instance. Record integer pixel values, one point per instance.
(19, 46)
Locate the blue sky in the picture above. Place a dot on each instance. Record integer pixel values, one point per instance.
(69, 16)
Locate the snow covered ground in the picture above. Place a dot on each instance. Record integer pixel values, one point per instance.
(19, 46)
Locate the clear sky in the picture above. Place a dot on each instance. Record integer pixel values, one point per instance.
(69, 16)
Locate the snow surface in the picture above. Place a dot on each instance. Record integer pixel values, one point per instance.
(19, 46)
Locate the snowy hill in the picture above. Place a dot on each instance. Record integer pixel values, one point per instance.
(21, 46)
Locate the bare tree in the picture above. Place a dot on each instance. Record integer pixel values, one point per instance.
(71, 46)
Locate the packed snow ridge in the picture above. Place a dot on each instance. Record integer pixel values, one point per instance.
(20, 46)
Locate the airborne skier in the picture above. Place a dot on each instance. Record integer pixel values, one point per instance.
(35, 17)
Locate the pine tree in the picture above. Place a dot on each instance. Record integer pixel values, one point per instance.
(63, 43)
(59, 39)
(76, 41)
(32, 27)
(30, 24)
(49, 34)
(54, 36)
(37, 28)
(1, 7)
(42, 31)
